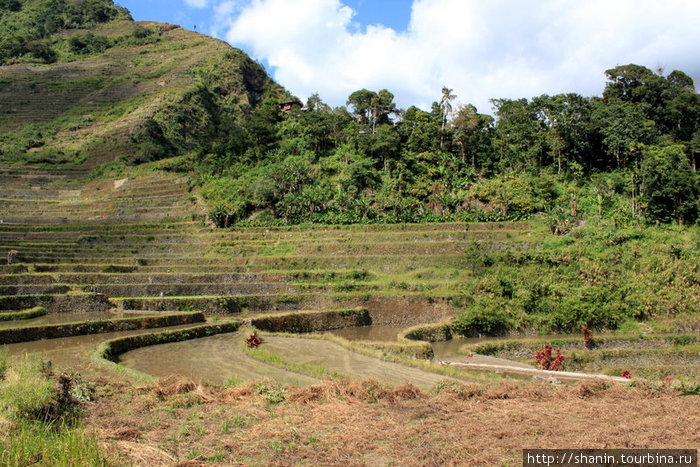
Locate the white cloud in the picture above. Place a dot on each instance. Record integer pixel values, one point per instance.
(197, 3)
(224, 12)
(482, 49)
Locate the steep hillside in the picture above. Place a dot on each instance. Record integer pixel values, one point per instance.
(121, 89)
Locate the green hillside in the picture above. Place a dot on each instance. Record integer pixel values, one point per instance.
(83, 85)
(115, 89)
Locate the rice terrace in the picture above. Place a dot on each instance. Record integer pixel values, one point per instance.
(198, 268)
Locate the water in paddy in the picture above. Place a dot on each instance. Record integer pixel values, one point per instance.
(390, 333)
(63, 318)
(374, 333)
(218, 358)
(213, 359)
(71, 351)
(444, 351)
(338, 359)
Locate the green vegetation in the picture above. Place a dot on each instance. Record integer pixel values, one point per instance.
(27, 27)
(129, 140)
(628, 155)
(43, 409)
(600, 277)
(259, 156)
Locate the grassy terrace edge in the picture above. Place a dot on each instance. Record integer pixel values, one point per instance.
(35, 312)
(32, 333)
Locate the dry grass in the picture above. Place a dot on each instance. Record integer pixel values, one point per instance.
(354, 422)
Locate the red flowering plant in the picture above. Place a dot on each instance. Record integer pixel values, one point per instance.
(253, 341)
(546, 362)
(627, 374)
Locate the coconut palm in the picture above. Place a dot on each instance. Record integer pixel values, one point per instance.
(446, 104)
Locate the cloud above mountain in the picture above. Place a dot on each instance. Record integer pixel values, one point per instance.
(483, 50)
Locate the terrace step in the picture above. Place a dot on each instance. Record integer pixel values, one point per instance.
(141, 278)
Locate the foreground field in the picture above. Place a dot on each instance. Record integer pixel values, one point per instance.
(362, 423)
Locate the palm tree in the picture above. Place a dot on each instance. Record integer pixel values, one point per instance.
(446, 104)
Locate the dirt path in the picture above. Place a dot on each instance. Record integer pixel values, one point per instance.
(503, 367)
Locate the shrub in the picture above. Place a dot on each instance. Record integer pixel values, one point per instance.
(89, 44)
(488, 320)
(253, 341)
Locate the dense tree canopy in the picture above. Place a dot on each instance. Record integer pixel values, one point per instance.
(629, 154)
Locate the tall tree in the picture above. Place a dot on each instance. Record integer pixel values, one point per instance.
(446, 104)
(446, 107)
(622, 125)
(519, 134)
(670, 188)
(419, 130)
(567, 122)
(371, 107)
(471, 131)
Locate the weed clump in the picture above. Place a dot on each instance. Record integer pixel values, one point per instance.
(253, 341)
(43, 409)
(32, 392)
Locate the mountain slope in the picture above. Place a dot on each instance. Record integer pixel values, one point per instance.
(154, 91)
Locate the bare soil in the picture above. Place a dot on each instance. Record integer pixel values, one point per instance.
(178, 422)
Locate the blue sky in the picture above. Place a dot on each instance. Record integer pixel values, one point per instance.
(482, 49)
(395, 14)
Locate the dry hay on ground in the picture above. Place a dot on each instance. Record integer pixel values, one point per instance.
(364, 423)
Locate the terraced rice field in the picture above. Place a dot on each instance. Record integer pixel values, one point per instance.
(87, 249)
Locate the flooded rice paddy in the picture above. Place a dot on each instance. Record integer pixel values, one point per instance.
(214, 359)
(374, 333)
(218, 358)
(69, 351)
(221, 359)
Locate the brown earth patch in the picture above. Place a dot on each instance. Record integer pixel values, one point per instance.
(366, 423)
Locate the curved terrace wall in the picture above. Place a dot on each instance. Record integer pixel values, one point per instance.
(32, 333)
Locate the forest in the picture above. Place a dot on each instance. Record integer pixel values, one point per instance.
(630, 154)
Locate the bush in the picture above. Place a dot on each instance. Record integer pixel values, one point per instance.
(89, 44)
(482, 319)
(670, 185)
(31, 392)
